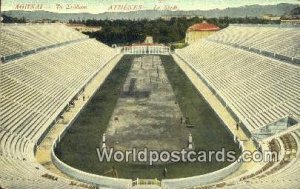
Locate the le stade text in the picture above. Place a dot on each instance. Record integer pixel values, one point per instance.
(130, 7)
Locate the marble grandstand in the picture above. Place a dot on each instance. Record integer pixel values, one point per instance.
(23, 39)
(261, 91)
(35, 89)
(280, 42)
(252, 70)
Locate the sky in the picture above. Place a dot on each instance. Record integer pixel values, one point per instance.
(98, 6)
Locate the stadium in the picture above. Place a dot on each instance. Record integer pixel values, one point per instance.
(63, 95)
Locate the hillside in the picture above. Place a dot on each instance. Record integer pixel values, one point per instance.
(293, 14)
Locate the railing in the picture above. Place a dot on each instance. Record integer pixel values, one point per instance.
(148, 182)
(146, 49)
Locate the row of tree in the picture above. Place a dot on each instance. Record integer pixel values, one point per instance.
(124, 32)
(9, 19)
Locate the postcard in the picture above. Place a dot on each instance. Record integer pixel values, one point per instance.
(140, 94)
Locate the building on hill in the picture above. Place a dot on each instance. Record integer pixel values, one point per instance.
(270, 17)
(199, 31)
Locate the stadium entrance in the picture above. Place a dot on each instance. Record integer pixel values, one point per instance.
(147, 49)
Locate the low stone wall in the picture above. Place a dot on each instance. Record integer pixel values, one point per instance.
(89, 178)
(212, 177)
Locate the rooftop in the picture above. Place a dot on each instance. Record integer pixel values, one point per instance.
(204, 26)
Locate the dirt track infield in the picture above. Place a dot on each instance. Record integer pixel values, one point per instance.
(147, 114)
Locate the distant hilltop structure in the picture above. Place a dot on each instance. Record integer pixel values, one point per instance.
(270, 17)
(199, 31)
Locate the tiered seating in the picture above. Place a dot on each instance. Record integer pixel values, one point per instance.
(38, 86)
(279, 40)
(258, 89)
(17, 38)
(17, 174)
(283, 173)
(34, 91)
